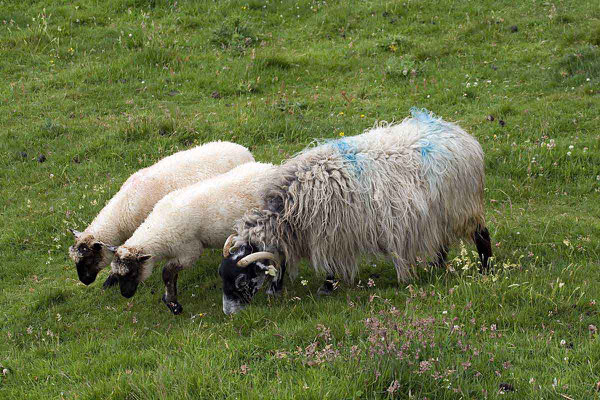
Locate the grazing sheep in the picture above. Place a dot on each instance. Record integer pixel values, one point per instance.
(403, 191)
(185, 222)
(134, 201)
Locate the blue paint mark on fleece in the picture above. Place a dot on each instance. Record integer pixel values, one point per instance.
(348, 152)
(433, 125)
(431, 146)
(425, 116)
(426, 148)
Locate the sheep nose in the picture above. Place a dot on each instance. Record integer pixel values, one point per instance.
(231, 306)
(86, 277)
(128, 287)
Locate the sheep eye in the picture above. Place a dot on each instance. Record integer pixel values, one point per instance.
(241, 282)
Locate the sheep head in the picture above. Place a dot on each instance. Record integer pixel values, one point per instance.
(131, 267)
(244, 271)
(89, 255)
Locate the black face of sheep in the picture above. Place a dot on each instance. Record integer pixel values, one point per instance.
(87, 258)
(130, 279)
(244, 272)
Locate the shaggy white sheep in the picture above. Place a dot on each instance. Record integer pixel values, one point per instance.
(185, 222)
(134, 201)
(405, 191)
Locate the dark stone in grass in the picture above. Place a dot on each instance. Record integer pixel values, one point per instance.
(490, 118)
(23, 154)
(41, 158)
(507, 387)
(514, 28)
(215, 95)
(501, 122)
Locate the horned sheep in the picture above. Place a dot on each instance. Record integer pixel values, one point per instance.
(127, 209)
(406, 191)
(182, 224)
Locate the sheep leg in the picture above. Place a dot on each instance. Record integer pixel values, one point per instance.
(112, 280)
(328, 286)
(484, 247)
(169, 274)
(442, 255)
(404, 272)
(277, 284)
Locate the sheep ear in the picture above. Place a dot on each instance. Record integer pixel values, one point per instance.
(144, 257)
(112, 249)
(75, 233)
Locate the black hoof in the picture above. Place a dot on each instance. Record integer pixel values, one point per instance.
(112, 280)
(174, 306)
(327, 287)
(325, 290)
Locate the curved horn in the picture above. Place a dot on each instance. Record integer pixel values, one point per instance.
(227, 246)
(261, 255)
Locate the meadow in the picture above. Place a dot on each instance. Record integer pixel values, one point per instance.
(94, 90)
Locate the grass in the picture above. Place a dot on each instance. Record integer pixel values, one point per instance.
(101, 89)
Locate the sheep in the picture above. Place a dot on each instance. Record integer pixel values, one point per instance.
(402, 190)
(182, 224)
(134, 201)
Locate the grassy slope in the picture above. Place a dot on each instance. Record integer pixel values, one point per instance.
(102, 88)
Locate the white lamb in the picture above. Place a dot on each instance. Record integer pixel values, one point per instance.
(185, 222)
(134, 201)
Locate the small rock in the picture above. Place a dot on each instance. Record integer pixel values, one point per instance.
(215, 95)
(514, 28)
(41, 158)
(490, 118)
(507, 387)
(501, 122)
